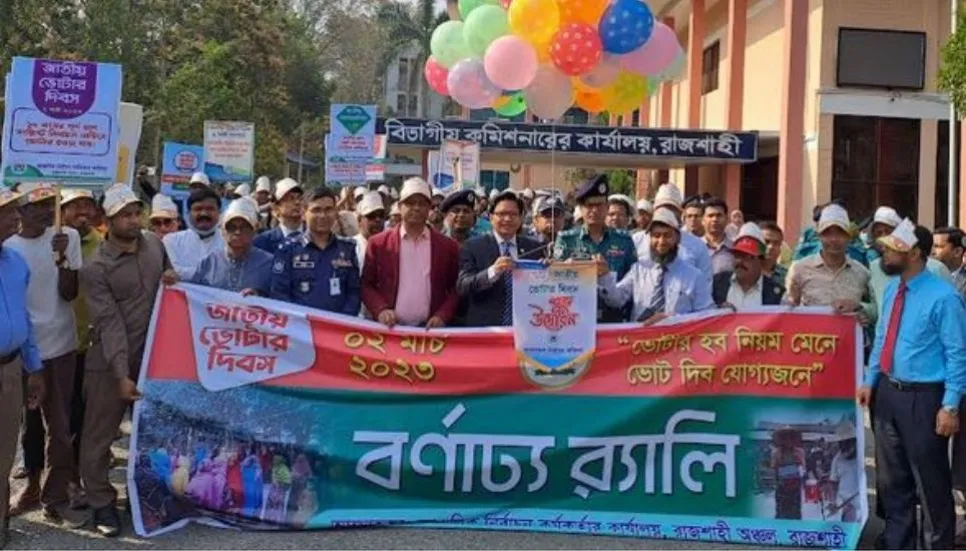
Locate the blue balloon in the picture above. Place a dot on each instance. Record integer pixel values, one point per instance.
(625, 26)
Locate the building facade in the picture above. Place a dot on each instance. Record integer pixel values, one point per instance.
(405, 85)
(843, 92)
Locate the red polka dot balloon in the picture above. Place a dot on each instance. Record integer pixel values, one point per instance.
(576, 48)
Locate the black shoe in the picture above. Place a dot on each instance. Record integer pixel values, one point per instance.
(107, 522)
(20, 473)
(63, 514)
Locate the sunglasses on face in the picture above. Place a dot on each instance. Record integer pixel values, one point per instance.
(163, 222)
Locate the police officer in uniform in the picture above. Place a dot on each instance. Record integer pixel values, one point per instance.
(594, 240)
(459, 212)
(319, 269)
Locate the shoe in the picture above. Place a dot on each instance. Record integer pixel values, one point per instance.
(4, 536)
(20, 473)
(64, 515)
(107, 522)
(76, 496)
(26, 501)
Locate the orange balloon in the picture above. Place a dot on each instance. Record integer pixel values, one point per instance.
(581, 11)
(588, 99)
(543, 52)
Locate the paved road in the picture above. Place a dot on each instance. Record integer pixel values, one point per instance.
(31, 532)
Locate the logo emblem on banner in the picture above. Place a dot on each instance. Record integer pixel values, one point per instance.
(555, 322)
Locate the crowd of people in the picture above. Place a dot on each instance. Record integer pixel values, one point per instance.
(78, 287)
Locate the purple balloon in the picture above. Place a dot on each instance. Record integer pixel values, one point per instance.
(469, 86)
(655, 55)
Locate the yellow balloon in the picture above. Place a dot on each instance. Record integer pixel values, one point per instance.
(584, 11)
(535, 21)
(625, 94)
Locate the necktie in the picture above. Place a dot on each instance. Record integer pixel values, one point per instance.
(892, 332)
(507, 289)
(657, 301)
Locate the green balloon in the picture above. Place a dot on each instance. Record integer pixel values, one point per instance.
(448, 45)
(467, 6)
(514, 107)
(483, 26)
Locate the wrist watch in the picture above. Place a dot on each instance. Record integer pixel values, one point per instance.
(951, 409)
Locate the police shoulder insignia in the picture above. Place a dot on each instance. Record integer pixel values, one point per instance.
(278, 267)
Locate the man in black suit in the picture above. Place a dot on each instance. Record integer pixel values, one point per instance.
(746, 287)
(486, 264)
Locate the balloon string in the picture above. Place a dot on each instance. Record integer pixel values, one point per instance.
(553, 179)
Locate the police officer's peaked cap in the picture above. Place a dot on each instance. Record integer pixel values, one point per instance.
(594, 187)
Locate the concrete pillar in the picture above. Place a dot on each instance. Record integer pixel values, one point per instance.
(734, 94)
(696, 37)
(791, 149)
(665, 108)
(928, 141)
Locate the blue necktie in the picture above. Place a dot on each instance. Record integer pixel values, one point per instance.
(507, 289)
(657, 301)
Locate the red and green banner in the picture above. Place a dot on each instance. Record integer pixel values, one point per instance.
(726, 427)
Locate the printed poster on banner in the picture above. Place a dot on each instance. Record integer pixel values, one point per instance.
(455, 161)
(689, 431)
(354, 171)
(352, 130)
(179, 162)
(61, 122)
(554, 320)
(132, 117)
(229, 151)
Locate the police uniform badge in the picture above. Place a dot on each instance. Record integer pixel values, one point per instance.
(278, 267)
(341, 262)
(305, 286)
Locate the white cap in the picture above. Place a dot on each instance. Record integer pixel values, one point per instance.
(393, 193)
(750, 229)
(666, 216)
(902, 239)
(117, 197)
(383, 189)
(199, 178)
(371, 202)
(438, 192)
(543, 193)
(668, 194)
(244, 190)
(480, 192)
(245, 208)
(527, 193)
(394, 210)
(163, 206)
(68, 195)
(415, 186)
(887, 216)
(623, 199)
(263, 184)
(493, 193)
(284, 186)
(358, 192)
(644, 204)
(834, 215)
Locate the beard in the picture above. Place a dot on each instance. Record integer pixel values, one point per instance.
(893, 269)
(666, 258)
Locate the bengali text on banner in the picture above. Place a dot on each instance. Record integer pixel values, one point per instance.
(739, 428)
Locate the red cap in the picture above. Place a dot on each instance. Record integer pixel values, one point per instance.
(749, 246)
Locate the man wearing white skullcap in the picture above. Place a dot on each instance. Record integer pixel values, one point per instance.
(238, 266)
(692, 249)
(121, 281)
(164, 215)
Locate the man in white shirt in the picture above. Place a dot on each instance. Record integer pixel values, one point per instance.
(746, 287)
(692, 248)
(187, 248)
(661, 284)
(372, 220)
(54, 258)
(845, 474)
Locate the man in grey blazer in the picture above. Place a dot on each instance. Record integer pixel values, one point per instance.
(486, 264)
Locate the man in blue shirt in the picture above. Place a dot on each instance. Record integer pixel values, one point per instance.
(238, 266)
(18, 350)
(319, 269)
(918, 371)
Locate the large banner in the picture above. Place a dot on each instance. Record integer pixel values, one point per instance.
(229, 151)
(456, 163)
(737, 428)
(61, 122)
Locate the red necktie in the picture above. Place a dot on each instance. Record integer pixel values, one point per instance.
(892, 332)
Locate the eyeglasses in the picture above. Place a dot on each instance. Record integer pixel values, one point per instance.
(163, 222)
(238, 228)
(506, 214)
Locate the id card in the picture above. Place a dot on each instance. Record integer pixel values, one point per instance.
(335, 287)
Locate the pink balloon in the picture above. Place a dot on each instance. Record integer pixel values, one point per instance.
(436, 76)
(511, 62)
(604, 73)
(469, 86)
(550, 94)
(655, 55)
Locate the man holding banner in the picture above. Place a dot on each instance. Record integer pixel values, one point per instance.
(663, 285)
(486, 264)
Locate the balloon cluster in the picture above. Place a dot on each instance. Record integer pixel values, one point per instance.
(549, 55)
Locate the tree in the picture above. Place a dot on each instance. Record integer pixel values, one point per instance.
(406, 26)
(952, 72)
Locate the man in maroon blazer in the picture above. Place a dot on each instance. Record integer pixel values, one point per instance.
(409, 276)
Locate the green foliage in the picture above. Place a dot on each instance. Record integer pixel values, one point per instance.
(404, 25)
(952, 71)
(622, 181)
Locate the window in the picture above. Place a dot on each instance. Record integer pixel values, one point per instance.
(709, 67)
(575, 115)
(413, 105)
(401, 104)
(403, 77)
(942, 172)
(494, 179)
(876, 162)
